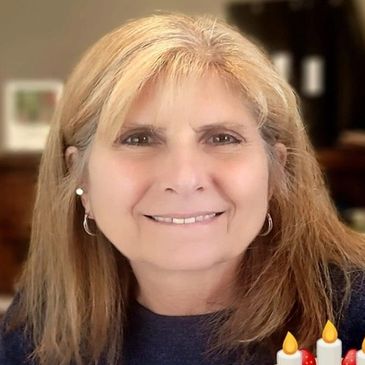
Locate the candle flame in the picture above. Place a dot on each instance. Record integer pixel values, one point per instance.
(363, 345)
(329, 334)
(290, 344)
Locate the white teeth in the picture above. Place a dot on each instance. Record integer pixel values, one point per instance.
(185, 220)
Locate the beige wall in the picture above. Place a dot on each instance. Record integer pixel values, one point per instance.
(44, 38)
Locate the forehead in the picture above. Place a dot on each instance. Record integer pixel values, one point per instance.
(210, 97)
(170, 101)
(170, 88)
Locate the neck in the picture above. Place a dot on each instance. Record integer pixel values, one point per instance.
(181, 292)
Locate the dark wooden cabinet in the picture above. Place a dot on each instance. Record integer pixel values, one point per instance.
(344, 168)
(18, 177)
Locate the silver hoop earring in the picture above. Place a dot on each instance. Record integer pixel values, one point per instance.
(270, 225)
(86, 226)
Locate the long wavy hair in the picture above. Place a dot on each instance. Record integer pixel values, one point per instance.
(76, 289)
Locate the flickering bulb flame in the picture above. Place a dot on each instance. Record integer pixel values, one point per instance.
(290, 344)
(329, 334)
(363, 345)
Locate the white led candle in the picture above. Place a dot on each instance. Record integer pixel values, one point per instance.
(329, 347)
(289, 355)
(360, 355)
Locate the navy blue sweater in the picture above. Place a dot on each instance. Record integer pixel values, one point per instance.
(154, 339)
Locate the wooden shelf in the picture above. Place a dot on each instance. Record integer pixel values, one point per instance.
(19, 161)
(346, 159)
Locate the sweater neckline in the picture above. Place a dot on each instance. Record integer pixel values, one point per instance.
(145, 312)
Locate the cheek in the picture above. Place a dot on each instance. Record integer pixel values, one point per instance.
(114, 188)
(248, 184)
(248, 180)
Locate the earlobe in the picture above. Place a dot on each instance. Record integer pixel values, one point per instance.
(281, 152)
(71, 156)
(80, 191)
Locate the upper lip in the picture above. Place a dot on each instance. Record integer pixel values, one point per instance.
(184, 215)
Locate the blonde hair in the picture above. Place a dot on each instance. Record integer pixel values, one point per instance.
(75, 289)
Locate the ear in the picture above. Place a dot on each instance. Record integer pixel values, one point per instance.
(281, 154)
(72, 155)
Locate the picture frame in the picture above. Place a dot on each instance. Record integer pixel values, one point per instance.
(28, 109)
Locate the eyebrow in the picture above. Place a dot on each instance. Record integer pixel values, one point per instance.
(203, 128)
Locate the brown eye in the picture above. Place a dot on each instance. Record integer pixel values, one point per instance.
(138, 139)
(224, 138)
(143, 139)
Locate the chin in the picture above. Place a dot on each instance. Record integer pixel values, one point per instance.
(192, 261)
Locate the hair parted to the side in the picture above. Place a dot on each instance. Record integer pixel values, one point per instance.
(76, 288)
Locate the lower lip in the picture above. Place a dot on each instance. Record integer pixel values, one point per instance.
(188, 225)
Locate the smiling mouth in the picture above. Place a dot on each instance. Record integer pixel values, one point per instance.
(184, 222)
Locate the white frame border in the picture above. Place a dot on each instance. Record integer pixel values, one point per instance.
(17, 136)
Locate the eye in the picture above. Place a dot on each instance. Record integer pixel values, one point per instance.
(135, 139)
(226, 138)
(141, 139)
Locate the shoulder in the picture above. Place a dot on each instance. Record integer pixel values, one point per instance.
(352, 316)
(14, 344)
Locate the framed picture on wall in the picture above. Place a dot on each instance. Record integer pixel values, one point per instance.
(28, 109)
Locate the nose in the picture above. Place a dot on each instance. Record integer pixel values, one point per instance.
(184, 171)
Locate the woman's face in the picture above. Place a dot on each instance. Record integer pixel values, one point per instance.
(207, 156)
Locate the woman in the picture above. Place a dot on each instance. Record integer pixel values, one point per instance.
(181, 216)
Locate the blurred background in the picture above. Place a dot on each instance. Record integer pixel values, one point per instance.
(317, 45)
